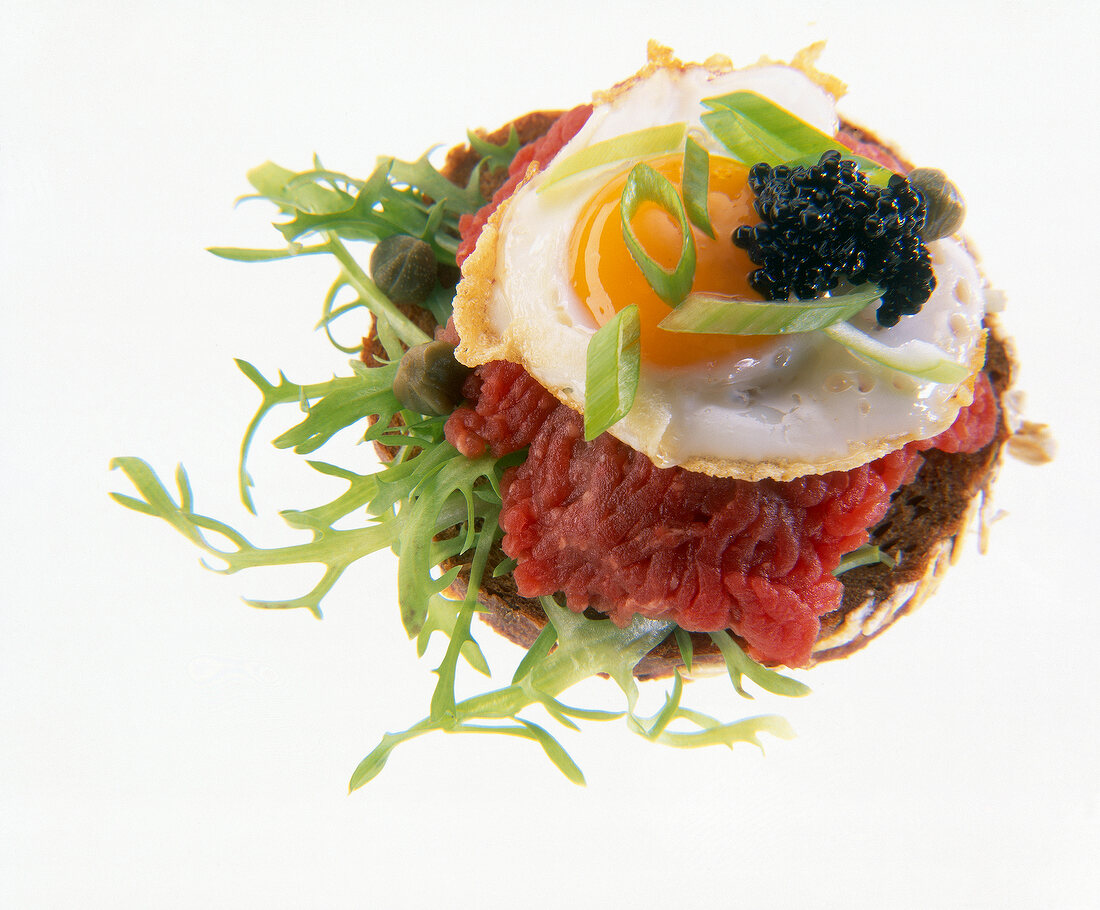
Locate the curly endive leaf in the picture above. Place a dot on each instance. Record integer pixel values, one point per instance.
(714, 733)
(286, 392)
(362, 488)
(455, 479)
(429, 182)
(443, 699)
(287, 190)
(340, 403)
(399, 198)
(242, 254)
(429, 505)
(585, 648)
(711, 732)
(496, 155)
(740, 664)
(441, 617)
(334, 549)
(583, 651)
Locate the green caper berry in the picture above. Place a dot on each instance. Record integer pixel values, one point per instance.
(404, 268)
(944, 205)
(429, 379)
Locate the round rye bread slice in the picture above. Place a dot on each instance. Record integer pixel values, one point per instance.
(922, 529)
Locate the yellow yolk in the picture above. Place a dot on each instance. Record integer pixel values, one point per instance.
(606, 277)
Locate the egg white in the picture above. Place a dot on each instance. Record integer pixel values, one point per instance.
(803, 405)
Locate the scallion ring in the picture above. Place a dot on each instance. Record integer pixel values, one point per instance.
(644, 184)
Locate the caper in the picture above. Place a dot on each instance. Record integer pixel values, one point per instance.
(404, 268)
(944, 205)
(429, 379)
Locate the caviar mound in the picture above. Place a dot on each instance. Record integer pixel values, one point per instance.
(825, 223)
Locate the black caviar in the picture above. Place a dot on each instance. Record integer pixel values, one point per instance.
(826, 223)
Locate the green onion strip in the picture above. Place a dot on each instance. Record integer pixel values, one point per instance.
(644, 184)
(655, 140)
(715, 315)
(612, 370)
(915, 358)
(755, 129)
(696, 185)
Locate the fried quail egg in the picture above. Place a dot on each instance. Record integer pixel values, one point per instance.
(551, 267)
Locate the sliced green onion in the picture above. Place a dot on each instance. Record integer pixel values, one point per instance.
(695, 185)
(709, 314)
(655, 140)
(756, 129)
(746, 140)
(740, 665)
(611, 375)
(644, 184)
(916, 358)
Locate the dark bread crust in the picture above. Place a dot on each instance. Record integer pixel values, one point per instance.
(921, 529)
(932, 511)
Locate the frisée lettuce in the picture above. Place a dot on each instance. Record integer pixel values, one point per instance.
(436, 509)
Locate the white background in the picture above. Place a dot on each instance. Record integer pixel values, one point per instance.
(163, 745)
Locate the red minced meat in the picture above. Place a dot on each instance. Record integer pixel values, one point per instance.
(509, 408)
(600, 523)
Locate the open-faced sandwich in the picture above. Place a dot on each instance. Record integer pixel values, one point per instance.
(719, 385)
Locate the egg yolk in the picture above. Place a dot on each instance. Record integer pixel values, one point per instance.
(606, 277)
